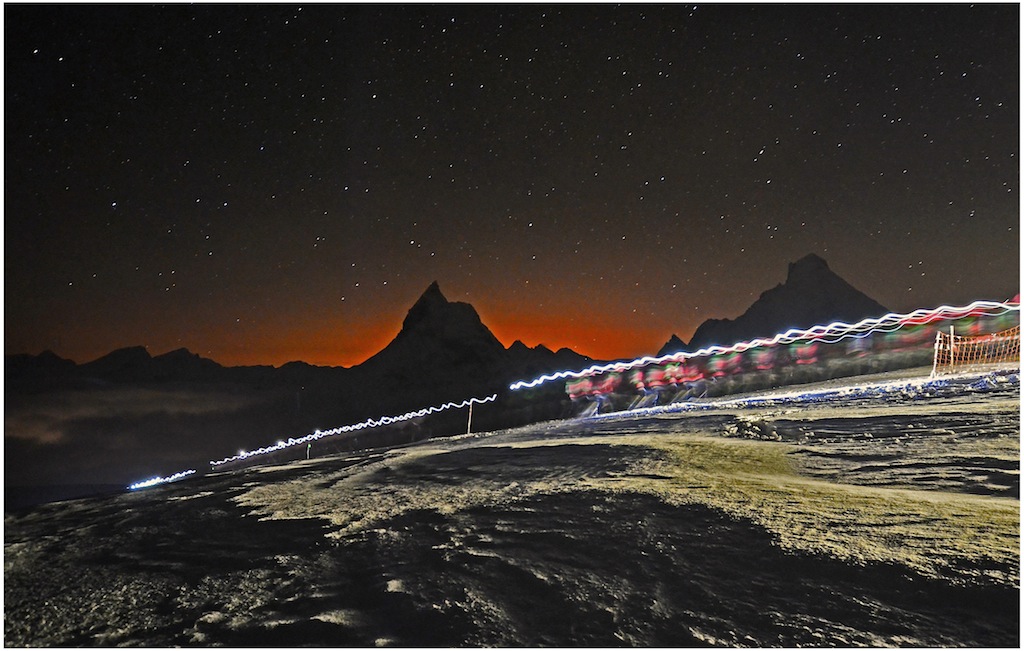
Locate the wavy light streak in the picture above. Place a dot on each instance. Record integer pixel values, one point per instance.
(319, 434)
(372, 422)
(161, 480)
(831, 333)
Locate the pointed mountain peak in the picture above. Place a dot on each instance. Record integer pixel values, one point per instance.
(518, 346)
(812, 294)
(433, 294)
(51, 357)
(435, 317)
(672, 346)
(429, 306)
(179, 353)
(809, 266)
(438, 333)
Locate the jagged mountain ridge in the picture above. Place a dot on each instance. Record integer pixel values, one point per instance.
(124, 365)
(812, 294)
(441, 342)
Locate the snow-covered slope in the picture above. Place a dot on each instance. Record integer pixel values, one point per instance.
(791, 519)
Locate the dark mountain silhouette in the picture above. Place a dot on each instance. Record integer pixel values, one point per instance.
(45, 362)
(524, 362)
(31, 373)
(135, 364)
(812, 294)
(184, 363)
(674, 345)
(445, 352)
(438, 337)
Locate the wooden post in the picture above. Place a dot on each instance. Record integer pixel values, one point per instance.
(469, 424)
(935, 357)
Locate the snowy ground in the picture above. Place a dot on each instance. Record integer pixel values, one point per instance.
(834, 515)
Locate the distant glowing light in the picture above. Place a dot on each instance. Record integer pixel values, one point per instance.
(160, 480)
(369, 423)
(829, 334)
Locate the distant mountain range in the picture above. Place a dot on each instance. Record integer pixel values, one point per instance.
(445, 352)
(441, 343)
(812, 294)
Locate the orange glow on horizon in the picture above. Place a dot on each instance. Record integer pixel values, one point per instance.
(335, 348)
(348, 344)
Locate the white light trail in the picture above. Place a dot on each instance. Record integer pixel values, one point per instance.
(370, 423)
(160, 480)
(830, 333)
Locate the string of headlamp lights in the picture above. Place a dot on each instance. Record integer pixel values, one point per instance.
(161, 480)
(369, 423)
(831, 333)
(319, 434)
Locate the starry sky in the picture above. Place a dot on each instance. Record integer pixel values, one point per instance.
(262, 184)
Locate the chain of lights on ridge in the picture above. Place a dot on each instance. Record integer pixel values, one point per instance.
(830, 334)
(319, 434)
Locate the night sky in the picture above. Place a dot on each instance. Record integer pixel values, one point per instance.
(264, 184)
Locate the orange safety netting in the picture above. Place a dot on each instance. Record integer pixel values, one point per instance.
(955, 353)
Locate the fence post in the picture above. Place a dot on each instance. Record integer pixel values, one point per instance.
(469, 423)
(935, 355)
(952, 349)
